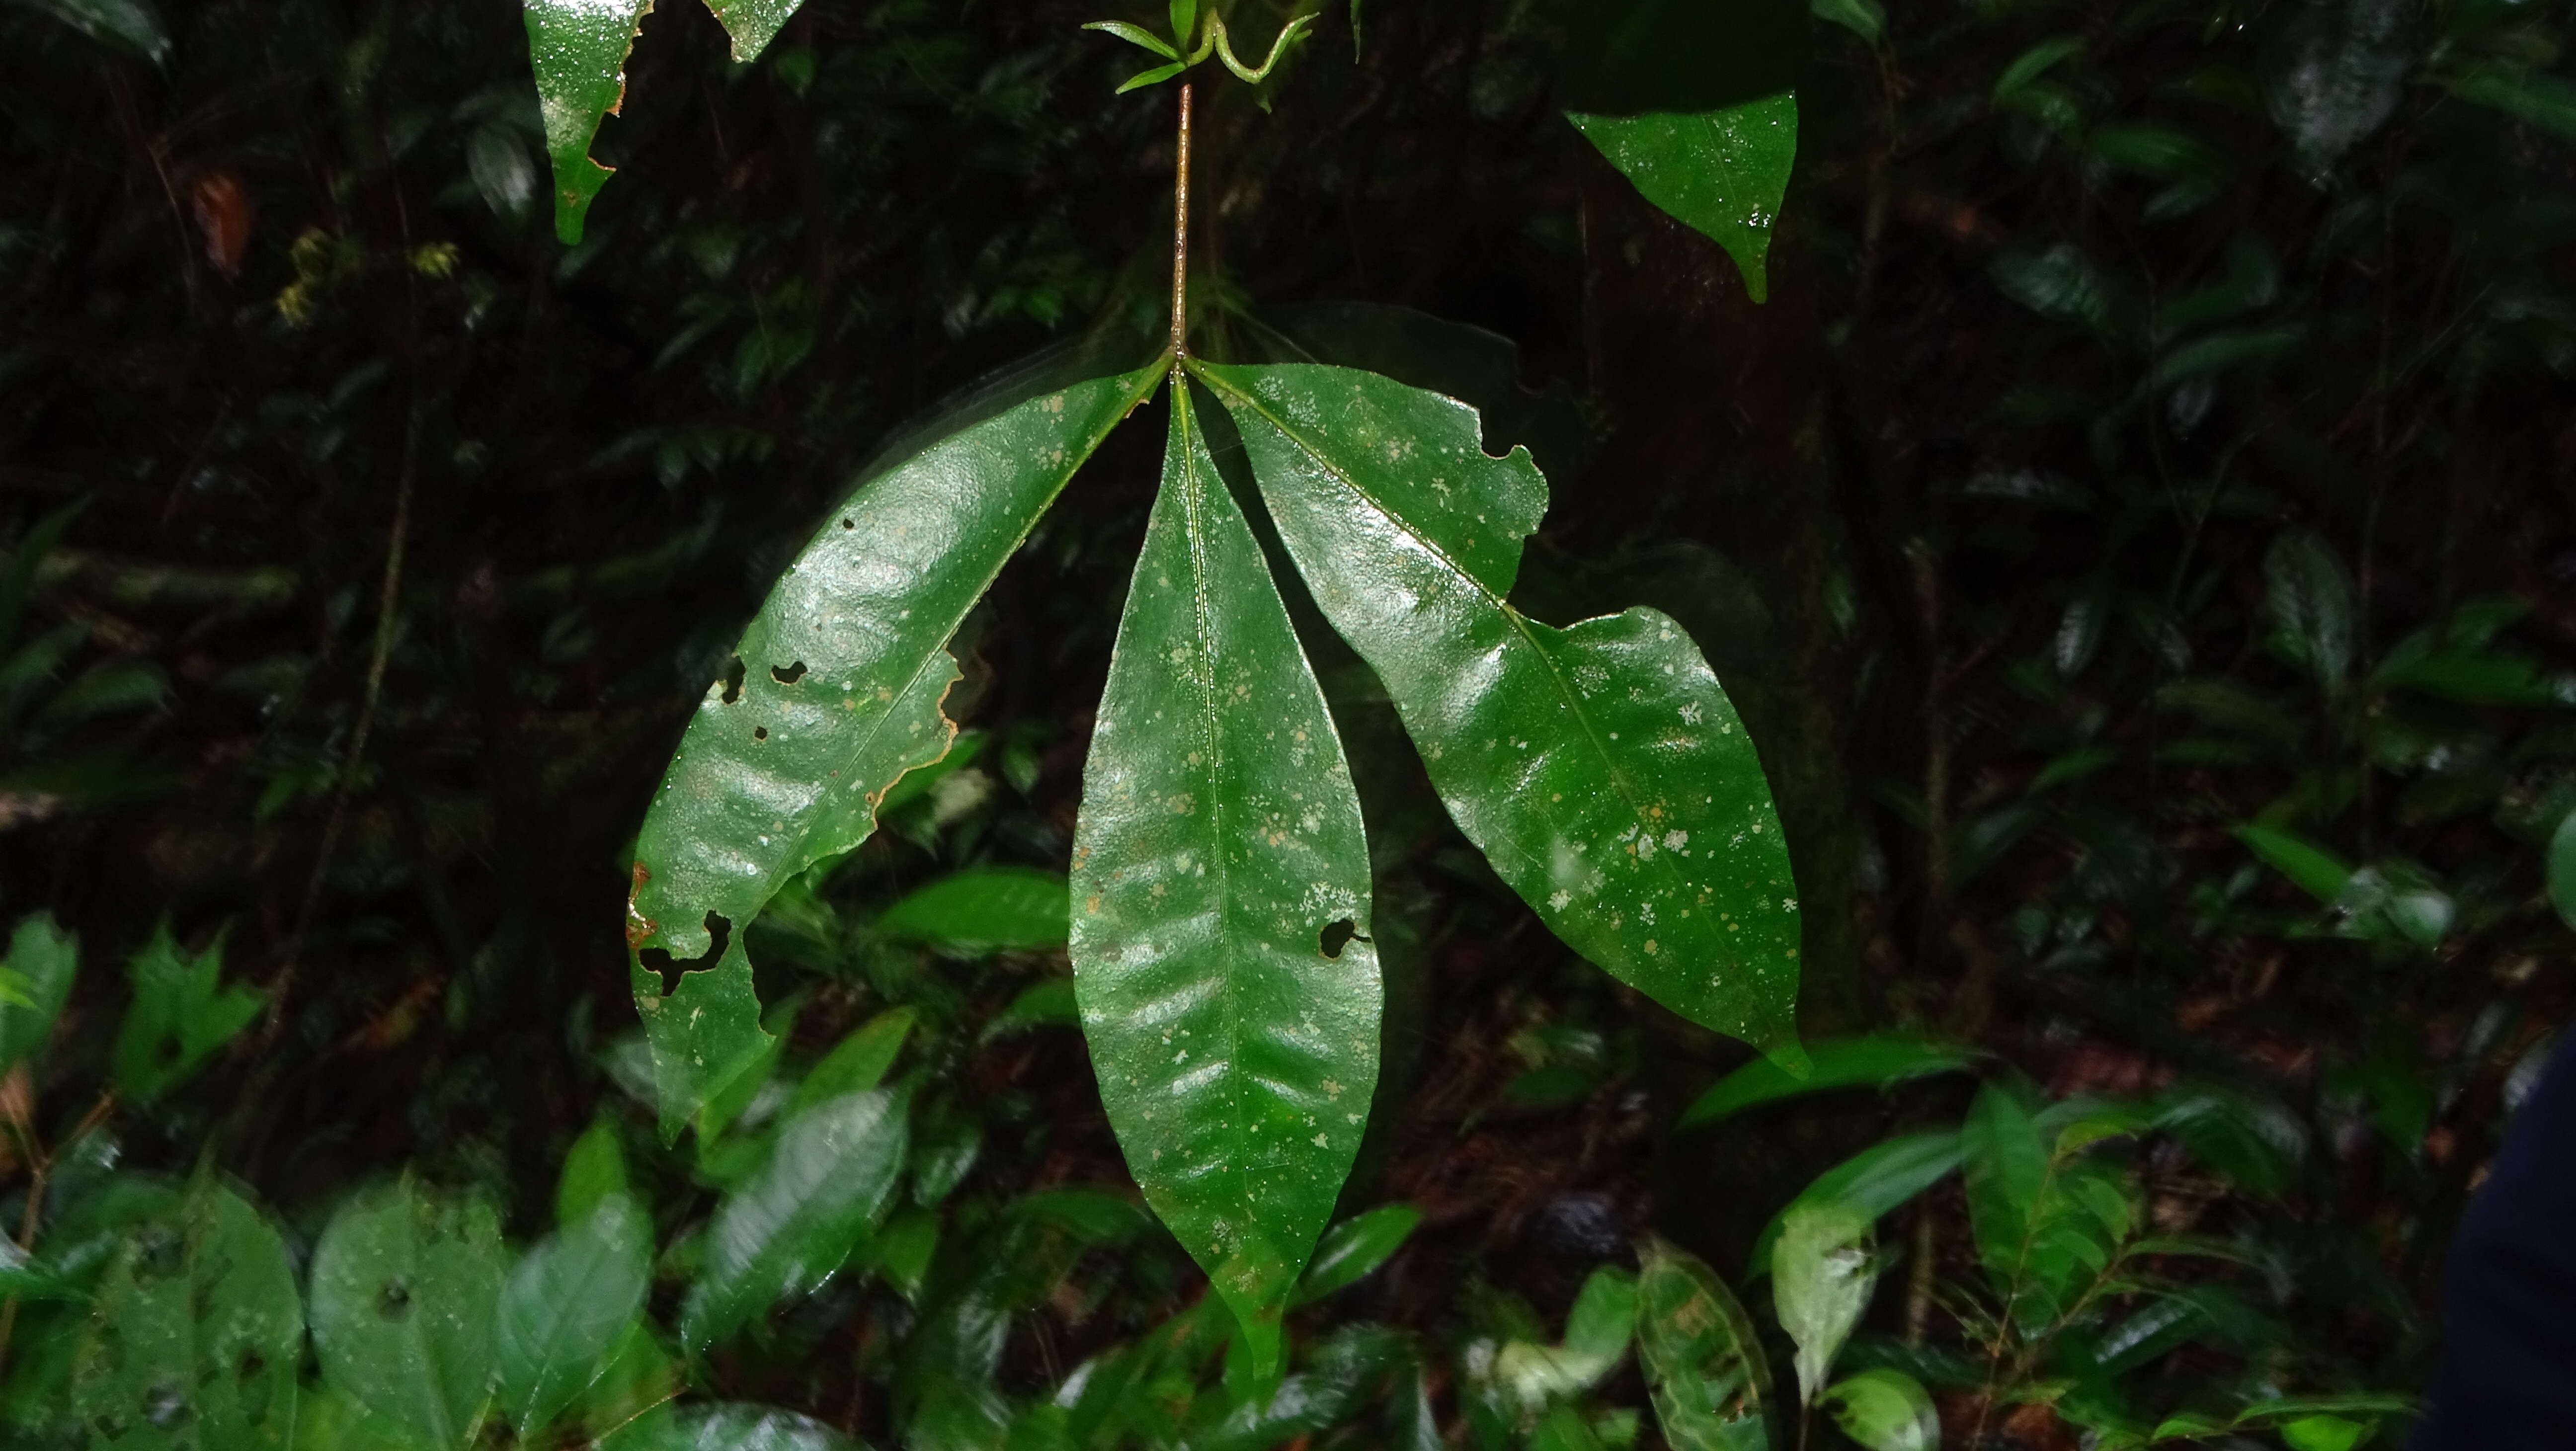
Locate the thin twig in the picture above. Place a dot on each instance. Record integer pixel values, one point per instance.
(40, 1168)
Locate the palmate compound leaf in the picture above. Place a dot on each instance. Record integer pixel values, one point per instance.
(578, 50)
(1724, 172)
(1221, 947)
(841, 678)
(196, 1334)
(1600, 768)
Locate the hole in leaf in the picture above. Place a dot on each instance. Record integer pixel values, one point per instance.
(669, 968)
(788, 675)
(1338, 935)
(760, 733)
(846, 524)
(393, 1302)
(733, 681)
(252, 1363)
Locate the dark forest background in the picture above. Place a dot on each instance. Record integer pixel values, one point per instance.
(2160, 423)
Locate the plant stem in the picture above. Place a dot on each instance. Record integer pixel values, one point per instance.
(1181, 235)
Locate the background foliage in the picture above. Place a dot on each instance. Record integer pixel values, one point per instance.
(2135, 529)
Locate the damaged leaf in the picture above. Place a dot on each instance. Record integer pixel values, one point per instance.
(578, 51)
(835, 697)
(1234, 1030)
(1600, 768)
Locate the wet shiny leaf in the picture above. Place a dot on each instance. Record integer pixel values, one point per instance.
(132, 25)
(2308, 601)
(1824, 1267)
(197, 1334)
(1875, 1061)
(983, 909)
(181, 1014)
(404, 1288)
(564, 1307)
(44, 959)
(731, 1427)
(1234, 1030)
(578, 51)
(1885, 1410)
(788, 1229)
(1600, 768)
(1704, 1367)
(837, 696)
(1721, 172)
(1874, 1181)
(752, 23)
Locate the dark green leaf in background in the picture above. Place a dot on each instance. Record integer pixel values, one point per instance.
(1600, 768)
(791, 1226)
(1876, 1061)
(181, 1014)
(131, 25)
(2308, 602)
(1722, 172)
(2007, 1169)
(2335, 73)
(405, 1284)
(837, 696)
(2562, 869)
(1874, 1181)
(1221, 950)
(594, 1169)
(1354, 1248)
(564, 1306)
(859, 1062)
(1704, 1367)
(1885, 1410)
(2318, 871)
(983, 909)
(730, 1427)
(42, 959)
(197, 1335)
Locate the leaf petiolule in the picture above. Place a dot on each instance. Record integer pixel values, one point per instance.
(1600, 768)
(1723, 172)
(209, 1343)
(1219, 844)
(837, 696)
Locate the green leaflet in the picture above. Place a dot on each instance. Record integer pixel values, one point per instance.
(578, 49)
(197, 1347)
(404, 1288)
(841, 675)
(2562, 869)
(45, 958)
(1221, 905)
(565, 1305)
(1704, 1367)
(1600, 768)
(791, 1226)
(1874, 1061)
(1722, 172)
(983, 909)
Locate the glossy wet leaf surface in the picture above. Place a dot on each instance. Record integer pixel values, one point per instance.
(1600, 768)
(1823, 1268)
(1873, 1181)
(404, 1287)
(838, 694)
(43, 959)
(197, 1334)
(577, 49)
(792, 1225)
(1721, 172)
(1234, 1029)
(564, 1306)
(1354, 1248)
(1704, 1368)
(752, 23)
